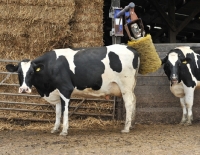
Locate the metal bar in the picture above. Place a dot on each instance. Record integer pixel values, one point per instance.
(24, 103)
(27, 110)
(76, 107)
(13, 94)
(45, 111)
(7, 84)
(115, 39)
(7, 76)
(113, 113)
(27, 119)
(7, 73)
(38, 104)
(91, 99)
(2, 60)
(92, 114)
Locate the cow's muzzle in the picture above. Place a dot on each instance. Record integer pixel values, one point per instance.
(174, 80)
(24, 90)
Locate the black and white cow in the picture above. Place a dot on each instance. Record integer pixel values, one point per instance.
(92, 72)
(182, 67)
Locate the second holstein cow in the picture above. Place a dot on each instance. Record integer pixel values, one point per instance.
(182, 67)
(92, 72)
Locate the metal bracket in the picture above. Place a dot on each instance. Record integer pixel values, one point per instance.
(112, 32)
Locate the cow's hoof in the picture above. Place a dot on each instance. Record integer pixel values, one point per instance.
(188, 124)
(54, 131)
(132, 127)
(182, 123)
(63, 134)
(124, 131)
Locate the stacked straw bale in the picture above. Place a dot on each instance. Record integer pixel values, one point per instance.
(87, 24)
(30, 28)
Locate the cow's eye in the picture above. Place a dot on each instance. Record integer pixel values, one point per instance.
(167, 64)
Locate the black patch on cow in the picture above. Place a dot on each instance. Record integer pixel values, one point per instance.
(195, 49)
(186, 76)
(89, 68)
(136, 56)
(193, 66)
(115, 63)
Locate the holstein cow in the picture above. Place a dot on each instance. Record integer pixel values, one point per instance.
(91, 72)
(182, 67)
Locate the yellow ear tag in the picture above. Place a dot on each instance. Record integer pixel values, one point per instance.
(38, 69)
(184, 62)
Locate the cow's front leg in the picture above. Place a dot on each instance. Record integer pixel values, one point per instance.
(189, 98)
(184, 116)
(130, 110)
(65, 116)
(58, 116)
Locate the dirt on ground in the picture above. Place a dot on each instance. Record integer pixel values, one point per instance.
(171, 139)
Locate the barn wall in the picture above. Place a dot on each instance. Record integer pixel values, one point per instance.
(155, 102)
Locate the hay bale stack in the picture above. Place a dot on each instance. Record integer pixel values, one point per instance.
(30, 28)
(87, 24)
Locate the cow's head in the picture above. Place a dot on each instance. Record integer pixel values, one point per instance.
(173, 62)
(26, 71)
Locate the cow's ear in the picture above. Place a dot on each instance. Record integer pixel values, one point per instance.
(186, 60)
(164, 60)
(38, 67)
(11, 68)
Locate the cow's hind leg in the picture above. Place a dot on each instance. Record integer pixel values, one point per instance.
(58, 117)
(130, 105)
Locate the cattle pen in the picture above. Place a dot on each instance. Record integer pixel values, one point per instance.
(155, 102)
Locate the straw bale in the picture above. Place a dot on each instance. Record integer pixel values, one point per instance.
(58, 15)
(87, 44)
(86, 36)
(87, 24)
(39, 2)
(29, 28)
(92, 26)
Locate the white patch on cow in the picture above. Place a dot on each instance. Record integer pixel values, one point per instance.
(173, 57)
(25, 67)
(193, 78)
(69, 54)
(53, 98)
(186, 50)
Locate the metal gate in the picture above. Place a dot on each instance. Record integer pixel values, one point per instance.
(15, 106)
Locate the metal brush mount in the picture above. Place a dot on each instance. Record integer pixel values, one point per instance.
(134, 26)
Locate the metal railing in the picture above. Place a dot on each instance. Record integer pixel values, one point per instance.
(73, 108)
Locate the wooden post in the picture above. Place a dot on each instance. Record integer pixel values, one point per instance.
(171, 14)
